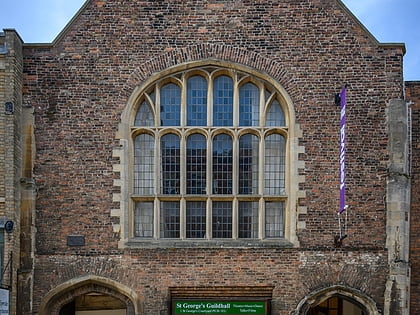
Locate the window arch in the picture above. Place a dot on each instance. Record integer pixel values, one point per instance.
(223, 101)
(197, 101)
(209, 159)
(275, 116)
(170, 103)
(249, 105)
(144, 116)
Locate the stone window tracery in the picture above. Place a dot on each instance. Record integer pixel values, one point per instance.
(208, 160)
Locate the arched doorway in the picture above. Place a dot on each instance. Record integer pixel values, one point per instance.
(337, 305)
(90, 295)
(337, 300)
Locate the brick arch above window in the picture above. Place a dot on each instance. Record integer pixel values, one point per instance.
(207, 54)
(273, 74)
(149, 209)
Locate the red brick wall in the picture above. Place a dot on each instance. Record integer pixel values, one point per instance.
(80, 86)
(413, 95)
(292, 273)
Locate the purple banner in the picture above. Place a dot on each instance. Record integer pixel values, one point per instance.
(343, 205)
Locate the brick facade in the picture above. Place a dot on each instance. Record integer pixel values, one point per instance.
(11, 158)
(80, 85)
(413, 97)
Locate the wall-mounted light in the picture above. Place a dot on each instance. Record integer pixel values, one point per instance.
(9, 108)
(337, 99)
(8, 226)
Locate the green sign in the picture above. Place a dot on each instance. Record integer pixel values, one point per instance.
(219, 307)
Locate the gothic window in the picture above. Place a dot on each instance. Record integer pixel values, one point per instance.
(209, 158)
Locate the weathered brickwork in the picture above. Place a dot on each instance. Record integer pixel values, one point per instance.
(413, 97)
(292, 273)
(79, 86)
(11, 147)
(101, 68)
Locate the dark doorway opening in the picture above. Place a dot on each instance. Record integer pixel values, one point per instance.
(94, 304)
(337, 305)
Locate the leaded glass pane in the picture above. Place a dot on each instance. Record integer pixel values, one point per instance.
(223, 101)
(143, 219)
(222, 164)
(170, 105)
(248, 164)
(248, 219)
(274, 175)
(275, 116)
(197, 101)
(170, 159)
(196, 219)
(222, 219)
(169, 219)
(196, 164)
(249, 105)
(274, 219)
(144, 116)
(144, 152)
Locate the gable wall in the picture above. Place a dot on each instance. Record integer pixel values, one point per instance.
(79, 87)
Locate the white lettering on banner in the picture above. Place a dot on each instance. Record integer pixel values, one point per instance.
(194, 306)
(342, 206)
(342, 112)
(218, 305)
(342, 156)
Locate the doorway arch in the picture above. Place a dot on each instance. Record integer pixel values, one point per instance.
(63, 295)
(355, 298)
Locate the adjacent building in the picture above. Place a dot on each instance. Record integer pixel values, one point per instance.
(191, 157)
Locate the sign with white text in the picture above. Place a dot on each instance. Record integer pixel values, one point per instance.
(4, 302)
(220, 307)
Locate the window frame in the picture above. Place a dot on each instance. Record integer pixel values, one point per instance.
(241, 75)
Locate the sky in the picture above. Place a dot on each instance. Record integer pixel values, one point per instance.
(389, 21)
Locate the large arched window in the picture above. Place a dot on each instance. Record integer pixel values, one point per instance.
(209, 158)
